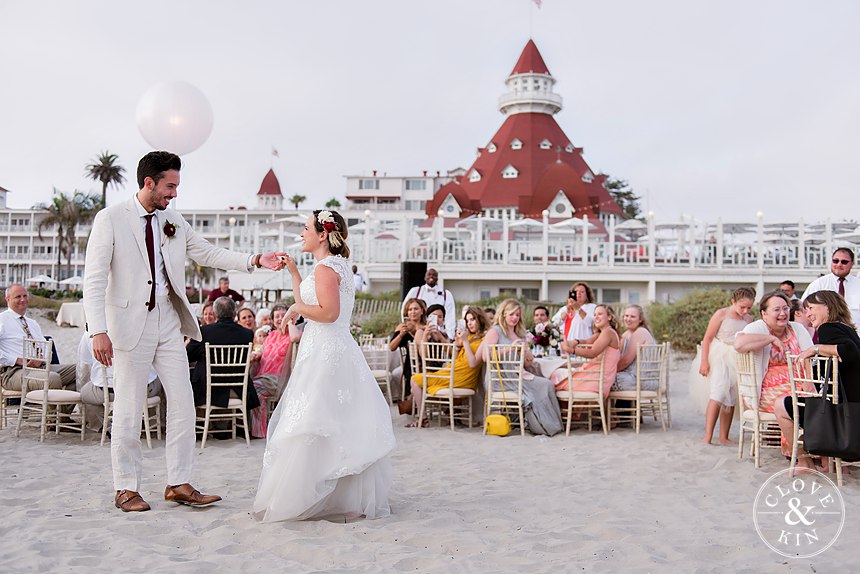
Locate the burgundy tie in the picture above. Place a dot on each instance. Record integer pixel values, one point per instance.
(842, 286)
(150, 250)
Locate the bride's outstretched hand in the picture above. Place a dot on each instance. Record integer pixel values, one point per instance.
(273, 261)
(292, 314)
(291, 265)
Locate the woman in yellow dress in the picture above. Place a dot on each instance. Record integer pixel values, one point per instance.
(467, 363)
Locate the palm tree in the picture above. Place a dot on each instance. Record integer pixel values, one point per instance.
(296, 200)
(332, 203)
(106, 170)
(80, 210)
(56, 216)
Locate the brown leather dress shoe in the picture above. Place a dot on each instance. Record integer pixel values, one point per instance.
(130, 501)
(187, 494)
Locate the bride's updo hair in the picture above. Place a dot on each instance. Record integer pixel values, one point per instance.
(336, 236)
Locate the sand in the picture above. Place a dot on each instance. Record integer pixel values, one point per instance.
(461, 502)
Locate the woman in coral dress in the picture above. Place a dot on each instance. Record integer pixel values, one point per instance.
(605, 340)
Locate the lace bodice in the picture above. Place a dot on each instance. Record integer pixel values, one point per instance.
(347, 287)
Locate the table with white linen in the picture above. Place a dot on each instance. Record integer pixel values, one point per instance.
(71, 314)
(547, 365)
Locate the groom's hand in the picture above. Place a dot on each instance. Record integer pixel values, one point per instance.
(103, 349)
(272, 261)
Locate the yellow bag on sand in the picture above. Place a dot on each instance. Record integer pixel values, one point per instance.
(498, 425)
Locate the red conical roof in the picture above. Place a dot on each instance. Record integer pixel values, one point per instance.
(530, 61)
(270, 185)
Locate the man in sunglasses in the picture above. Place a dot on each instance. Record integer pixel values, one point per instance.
(841, 281)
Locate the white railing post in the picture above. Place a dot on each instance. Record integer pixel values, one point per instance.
(505, 239)
(612, 240)
(760, 238)
(828, 241)
(479, 240)
(801, 244)
(719, 254)
(367, 216)
(440, 238)
(545, 221)
(585, 240)
(404, 238)
(652, 241)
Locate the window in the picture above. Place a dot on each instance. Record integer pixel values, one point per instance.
(368, 184)
(491, 148)
(560, 207)
(415, 205)
(633, 297)
(516, 144)
(449, 208)
(569, 148)
(588, 177)
(386, 200)
(546, 144)
(474, 176)
(532, 294)
(484, 294)
(611, 296)
(416, 184)
(510, 172)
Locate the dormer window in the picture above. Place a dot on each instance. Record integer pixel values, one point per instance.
(474, 176)
(546, 144)
(588, 177)
(510, 172)
(516, 144)
(569, 148)
(491, 148)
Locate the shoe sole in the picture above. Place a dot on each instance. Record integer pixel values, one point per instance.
(186, 503)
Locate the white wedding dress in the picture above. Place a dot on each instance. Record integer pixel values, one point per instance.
(330, 436)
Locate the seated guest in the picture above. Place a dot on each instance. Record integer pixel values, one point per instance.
(435, 330)
(14, 328)
(605, 340)
(272, 368)
(467, 363)
(837, 337)
(788, 288)
(770, 339)
(490, 312)
(247, 319)
(575, 320)
(264, 318)
(224, 290)
(636, 334)
(225, 331)
(414, 322)
(207, 315)
(540, 406)
(92, 376)
(540, 315)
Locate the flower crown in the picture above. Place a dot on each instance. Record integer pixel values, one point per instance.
(326, 219)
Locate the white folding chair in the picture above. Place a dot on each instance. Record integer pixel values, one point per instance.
(7, 395)
(224, 365)
(505, 364)
(650, 372)
(436, 359)
(761, 425)
(586, 402)
(416, 364)
(377, 360)
(151, 413)
(37, 398)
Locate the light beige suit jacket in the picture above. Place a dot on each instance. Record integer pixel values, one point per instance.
(117, 279)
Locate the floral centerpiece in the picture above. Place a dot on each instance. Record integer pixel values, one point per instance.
(355, 331)
(545, 338)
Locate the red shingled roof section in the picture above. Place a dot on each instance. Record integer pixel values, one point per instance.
(530, 61)
(452, 188)
(270, 185)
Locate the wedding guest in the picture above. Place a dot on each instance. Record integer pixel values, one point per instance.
(247, 319)
(490, 312)
(207, 315)
(717, 362)
(576, 319)
(540, 316)
(789, 289)
(435, 331)
(271, 365)
(432, 294)
(841, 281)
(359, 280)
(224, 290)
(541, 409)
(14, 328)
(264, 318)
(412, 327)
(770, 339)
(636, 334)
(837, 337)
(604, 341)
(467, 363)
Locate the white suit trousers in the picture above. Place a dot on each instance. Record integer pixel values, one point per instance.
(161, 346)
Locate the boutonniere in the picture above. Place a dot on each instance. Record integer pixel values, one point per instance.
(169, 229)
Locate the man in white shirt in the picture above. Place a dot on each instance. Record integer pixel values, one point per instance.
(14, 328)
(841, 281)
(358, 280)
(432, 294)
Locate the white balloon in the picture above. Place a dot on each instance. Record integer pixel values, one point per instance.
(174, 116)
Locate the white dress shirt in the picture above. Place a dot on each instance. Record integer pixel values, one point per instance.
(161, 287)
(435, 296)
(830, 282)
(581, 328)
(97, 371)
(12, 336)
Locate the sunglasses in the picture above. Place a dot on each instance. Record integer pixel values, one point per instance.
(841, 261)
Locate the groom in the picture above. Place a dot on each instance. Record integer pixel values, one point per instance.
(137, 312)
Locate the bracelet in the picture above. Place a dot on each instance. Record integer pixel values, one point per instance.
(255, 261)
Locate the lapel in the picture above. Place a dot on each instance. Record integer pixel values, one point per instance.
(161, 219)
(137, 229)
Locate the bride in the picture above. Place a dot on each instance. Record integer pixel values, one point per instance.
(330, 436)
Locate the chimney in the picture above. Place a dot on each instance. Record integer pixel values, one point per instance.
(437, 173)
(425, 173)
(374, 173)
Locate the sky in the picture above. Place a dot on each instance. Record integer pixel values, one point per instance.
(709, 108)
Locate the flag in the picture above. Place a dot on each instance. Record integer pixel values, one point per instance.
(275, 152)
